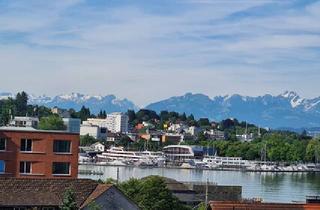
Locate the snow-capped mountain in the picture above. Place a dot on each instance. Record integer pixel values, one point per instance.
(76, 100)
(285, 110)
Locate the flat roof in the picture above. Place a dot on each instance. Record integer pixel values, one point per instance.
(30, 129)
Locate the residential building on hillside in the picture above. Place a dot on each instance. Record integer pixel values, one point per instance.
(31, 153)
(48, 194)
(72, 124)
(24, 122)
(245, 137)
(117, 122)
(216, 135)
(193, 130)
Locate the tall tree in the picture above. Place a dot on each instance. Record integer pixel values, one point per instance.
(52, 122)
(21, 104)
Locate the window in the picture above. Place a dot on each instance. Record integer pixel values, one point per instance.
(2, 167)
(61, 168)
(25, 167)
(61, 146)
(103, 130)
(26, 145)
(3, 143)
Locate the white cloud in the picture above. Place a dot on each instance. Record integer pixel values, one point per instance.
(127, 50)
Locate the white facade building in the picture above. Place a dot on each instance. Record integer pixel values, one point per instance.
(94, 131)
(117, 122)
(98, 147)
(114, 122)
(25, 122)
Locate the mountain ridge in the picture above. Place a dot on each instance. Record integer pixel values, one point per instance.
(284, 110)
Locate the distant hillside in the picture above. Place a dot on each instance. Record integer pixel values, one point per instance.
(285, 110)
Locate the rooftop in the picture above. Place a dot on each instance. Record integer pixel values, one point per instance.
(30, 129)
(47, 192)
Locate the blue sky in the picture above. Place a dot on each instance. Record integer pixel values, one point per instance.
(150, 50)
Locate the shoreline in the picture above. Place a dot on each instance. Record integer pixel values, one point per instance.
(207, 169)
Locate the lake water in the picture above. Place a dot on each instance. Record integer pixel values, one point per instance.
(272, 187)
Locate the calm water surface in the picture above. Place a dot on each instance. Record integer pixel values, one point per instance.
(275, 187)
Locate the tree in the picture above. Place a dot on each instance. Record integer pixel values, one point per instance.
(102, 114)
(151, 193)
(69, 200)
(313, 150)
(84, 113)
(52, 122)
(87, 140)
(204, 122)
(131, 115)
(21, 103)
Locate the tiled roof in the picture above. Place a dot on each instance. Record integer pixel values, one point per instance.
(101, 188)
(44, 192)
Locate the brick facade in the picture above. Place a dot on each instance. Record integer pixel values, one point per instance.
(41, 156)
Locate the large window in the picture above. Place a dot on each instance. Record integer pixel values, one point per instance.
(25, 167)
(3, 143)
(2, 167)
(60, 168)
(26, 145)
(61, 146)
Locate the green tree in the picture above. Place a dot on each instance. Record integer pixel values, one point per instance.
(131, 115)
(52, 122)
(87, 140)
(84, 113)
(151, 193)
(204, 122)
(313, 150)
(21, 103)
(69, 200)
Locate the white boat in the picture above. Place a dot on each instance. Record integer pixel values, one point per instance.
(130, 157)
(118, 153)
(229, 162)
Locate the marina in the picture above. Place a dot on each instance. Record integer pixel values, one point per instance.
(189, 157)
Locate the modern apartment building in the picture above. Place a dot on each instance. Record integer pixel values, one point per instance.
(31, 153)
(115, 122)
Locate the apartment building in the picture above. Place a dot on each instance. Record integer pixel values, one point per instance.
(116, 122)
(31, 153)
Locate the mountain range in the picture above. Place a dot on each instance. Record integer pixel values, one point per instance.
(284, 110)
